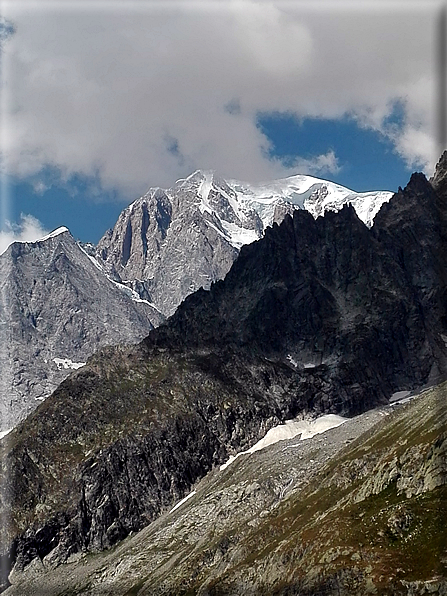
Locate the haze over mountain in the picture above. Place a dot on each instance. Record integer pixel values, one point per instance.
(320, 316)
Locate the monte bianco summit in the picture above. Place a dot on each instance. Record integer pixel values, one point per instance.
(171, 242)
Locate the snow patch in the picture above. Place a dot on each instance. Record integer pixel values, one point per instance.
(132, 294)
(296, 364)
(3, 433)
(128, 291)
(93, 260)
(205, 186)
(292, 361)
(401, 397)
(239, 236)
(54, 233)
(307, 428)
(180, 503)
(67, 363)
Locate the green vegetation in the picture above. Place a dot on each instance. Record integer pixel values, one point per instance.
(322, 532)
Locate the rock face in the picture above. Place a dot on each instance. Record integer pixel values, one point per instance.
(319, 316)
(329, 294)
(171, 242)
(57, 308)
(58, 304)
(439, 179)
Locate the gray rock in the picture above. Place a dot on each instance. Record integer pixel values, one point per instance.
(57, 307)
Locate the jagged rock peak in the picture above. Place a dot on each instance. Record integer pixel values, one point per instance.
(57, 307)
(54, 234)
(439, 179)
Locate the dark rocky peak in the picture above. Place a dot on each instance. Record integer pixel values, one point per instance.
(324, 291)
(439, 179)
(404, 224)
(417, 201)
(337, 225)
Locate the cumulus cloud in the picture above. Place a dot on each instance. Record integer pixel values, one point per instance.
(323, 164)
(145, 95)
(28, 230)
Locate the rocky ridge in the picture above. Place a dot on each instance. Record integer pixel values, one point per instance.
(357, 510)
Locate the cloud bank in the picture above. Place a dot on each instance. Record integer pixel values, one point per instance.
(28, 230)
(141, 94)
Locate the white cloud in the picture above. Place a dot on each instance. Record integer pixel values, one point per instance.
(28, 230)
(141, 94)
(323, 164)
(40, 187)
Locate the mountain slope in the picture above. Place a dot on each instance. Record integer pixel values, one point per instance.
(57, 308)
(171, 242)
(318, 316)
(329, 293)
(357, 510)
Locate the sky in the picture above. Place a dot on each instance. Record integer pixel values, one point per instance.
(101, 100)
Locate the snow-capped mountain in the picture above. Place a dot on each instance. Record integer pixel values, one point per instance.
(306, 192)
(170, 242)
(57, 307)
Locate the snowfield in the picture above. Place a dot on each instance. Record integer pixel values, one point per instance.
(3, 433)
(180, 503)
(246, 200)
(306, 427)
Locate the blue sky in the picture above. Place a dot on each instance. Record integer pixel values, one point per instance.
(367, 159)
(101, 101)
(86, 218)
